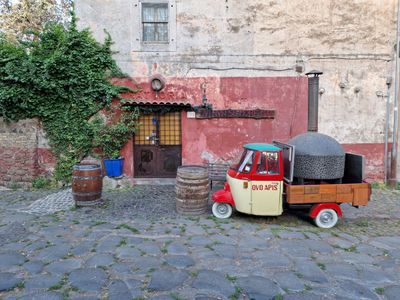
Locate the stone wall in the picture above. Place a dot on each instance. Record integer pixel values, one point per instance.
(18, 152)
(21, 158)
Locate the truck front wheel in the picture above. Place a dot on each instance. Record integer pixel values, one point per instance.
(326, 218)
(221, 210)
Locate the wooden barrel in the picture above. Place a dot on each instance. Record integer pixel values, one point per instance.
(87, 184)
(192, 189)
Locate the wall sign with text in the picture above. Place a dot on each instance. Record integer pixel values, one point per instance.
(235, 113)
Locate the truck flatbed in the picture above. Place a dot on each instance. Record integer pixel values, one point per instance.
(357, 194)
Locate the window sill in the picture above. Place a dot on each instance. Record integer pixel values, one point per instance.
(156, 47)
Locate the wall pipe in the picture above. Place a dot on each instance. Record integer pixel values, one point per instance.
(386, 161)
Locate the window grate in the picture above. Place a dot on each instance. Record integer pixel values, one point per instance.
(170, 129)
(159, 129)
(146, 130)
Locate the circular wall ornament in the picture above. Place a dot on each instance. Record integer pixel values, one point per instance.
(157, 83)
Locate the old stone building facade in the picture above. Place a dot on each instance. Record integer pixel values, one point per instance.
(250, 55)
(247, 52)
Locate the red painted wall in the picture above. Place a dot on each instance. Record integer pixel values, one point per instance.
(374, 159)
(205, 140)
(127, 153)
(46, 161)
(223, 139)
(17, 165)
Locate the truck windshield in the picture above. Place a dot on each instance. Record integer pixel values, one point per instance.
(245, 162)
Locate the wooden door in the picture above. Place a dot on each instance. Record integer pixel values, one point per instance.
(157, 151)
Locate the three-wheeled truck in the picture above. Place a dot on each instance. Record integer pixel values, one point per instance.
(262, 184)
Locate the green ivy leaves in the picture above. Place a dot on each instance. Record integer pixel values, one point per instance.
(110, 137)
(61, 77)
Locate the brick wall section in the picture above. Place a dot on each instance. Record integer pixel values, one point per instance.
(18, 152)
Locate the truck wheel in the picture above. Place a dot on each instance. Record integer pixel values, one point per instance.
(221, 210)
(326, 218)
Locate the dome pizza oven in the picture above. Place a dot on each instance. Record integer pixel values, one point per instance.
(318, 156)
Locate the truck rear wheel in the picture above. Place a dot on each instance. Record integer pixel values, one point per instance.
(221, 210)
(326, 218)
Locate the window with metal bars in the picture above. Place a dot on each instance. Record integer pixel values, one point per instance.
(159, 129)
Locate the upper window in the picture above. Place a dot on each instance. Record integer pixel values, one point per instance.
(155, 22)
(154, 25)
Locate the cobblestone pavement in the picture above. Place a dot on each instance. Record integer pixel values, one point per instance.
(52, 203)
(135, 246)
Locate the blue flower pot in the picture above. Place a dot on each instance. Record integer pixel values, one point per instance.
(114, 167)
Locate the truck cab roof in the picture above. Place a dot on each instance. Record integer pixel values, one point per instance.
(261, 147)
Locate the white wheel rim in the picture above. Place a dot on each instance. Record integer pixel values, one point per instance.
(222, 210)
(326, 218)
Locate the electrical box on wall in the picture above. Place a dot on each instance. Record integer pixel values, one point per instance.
(191, 115)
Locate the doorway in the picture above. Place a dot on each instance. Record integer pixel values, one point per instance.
(158, 146)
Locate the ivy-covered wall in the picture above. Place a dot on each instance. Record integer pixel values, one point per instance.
(62, 78)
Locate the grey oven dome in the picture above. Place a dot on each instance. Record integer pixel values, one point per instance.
(317, 156)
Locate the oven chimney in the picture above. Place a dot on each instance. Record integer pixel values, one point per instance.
(313, 89)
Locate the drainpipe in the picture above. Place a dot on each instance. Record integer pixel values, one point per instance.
(386, 161)
(393, 161)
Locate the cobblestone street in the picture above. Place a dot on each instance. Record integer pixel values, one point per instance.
(135, 246)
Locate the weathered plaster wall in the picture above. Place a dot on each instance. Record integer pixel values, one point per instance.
(255, 27)
(352, 42)
(374, 159)
(211, 140)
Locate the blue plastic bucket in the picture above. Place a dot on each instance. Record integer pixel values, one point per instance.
(114, 167)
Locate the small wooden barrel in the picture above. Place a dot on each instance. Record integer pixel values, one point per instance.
(87, 184)
(192, 189)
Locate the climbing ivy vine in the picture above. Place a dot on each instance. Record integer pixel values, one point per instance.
(63, 78)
